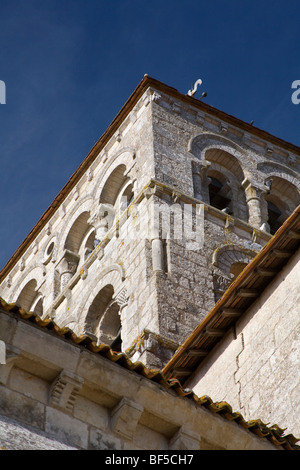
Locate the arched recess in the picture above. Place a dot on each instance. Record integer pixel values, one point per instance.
(103, 318)
(225, 175)
(281, 199)
(75, 243)
(125, 157)
(113, 276)
(77, 233)
(30, 299)
(117, 190)
(78, 216)
(221, 173)
(228, 262)
(199, 144)
(34, 272)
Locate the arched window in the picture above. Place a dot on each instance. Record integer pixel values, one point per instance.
(236, 269)
(282, 198)
(103, 318)
(275, 217)
(219, 193)
(29, 298)
(228, 261)
(117, 190)
(77, 233)
(225, 176)
(78, 245)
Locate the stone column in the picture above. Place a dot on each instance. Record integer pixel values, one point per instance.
(157, 255)
(201, 180)
(254, 198)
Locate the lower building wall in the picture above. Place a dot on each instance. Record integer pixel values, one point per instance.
(62, 395)
(256, 367)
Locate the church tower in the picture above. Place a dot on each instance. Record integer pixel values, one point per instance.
(165, 211)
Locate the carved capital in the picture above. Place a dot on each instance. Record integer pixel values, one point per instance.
(102, 219)
(121, 298)
(68, 263)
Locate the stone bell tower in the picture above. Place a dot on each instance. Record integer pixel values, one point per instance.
(166, 210)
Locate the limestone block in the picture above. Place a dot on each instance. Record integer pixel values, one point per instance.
(102, 440)
(125, 417)
(32, 342)
(65, 428)
(24, 409)
(185, 439)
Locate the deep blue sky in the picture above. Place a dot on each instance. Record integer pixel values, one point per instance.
(70, 65)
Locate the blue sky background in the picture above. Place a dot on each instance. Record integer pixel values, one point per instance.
(70, 65)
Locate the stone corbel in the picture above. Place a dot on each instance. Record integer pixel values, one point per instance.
(64, 390)
(229, 223)
(125, 417)
(11, 355)
(176, 107)
(185, 439)
(153, 191)
(269, 151)
(291, 160)
(176, 196)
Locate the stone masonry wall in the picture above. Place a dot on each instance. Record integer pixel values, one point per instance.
(167, 151)
(60, 395)
(256, 367)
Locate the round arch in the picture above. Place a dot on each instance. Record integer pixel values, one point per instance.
(83, 206)
(33, 273)
(201, 143)
(125, 156)
(225, 256)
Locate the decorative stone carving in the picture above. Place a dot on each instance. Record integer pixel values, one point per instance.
(67, 267)
(102, 220)
(64, 390)
(122, 298)
(221, 282)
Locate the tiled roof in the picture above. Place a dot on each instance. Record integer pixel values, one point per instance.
(274, 433)
(236, 300)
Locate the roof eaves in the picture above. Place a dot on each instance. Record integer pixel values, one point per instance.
(274, 433)
(236, 300)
